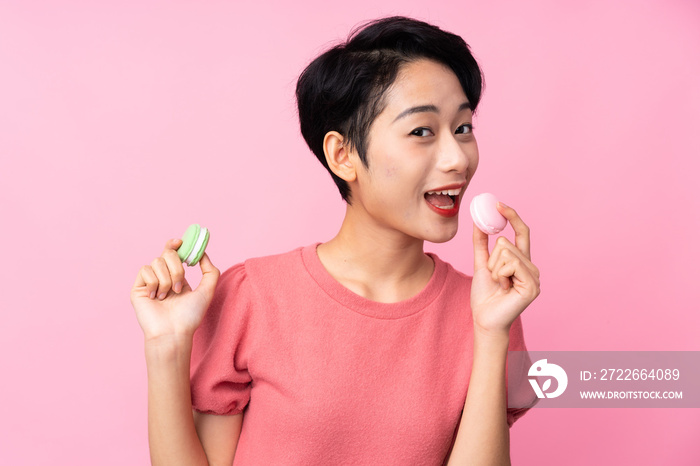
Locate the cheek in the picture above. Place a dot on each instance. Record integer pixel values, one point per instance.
(390, 172)
(390, 188)
(472, 169)
(473, 164)
(389, 185)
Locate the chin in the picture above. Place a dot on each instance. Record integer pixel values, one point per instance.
(443, 235)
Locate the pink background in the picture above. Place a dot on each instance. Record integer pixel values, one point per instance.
(123, 122)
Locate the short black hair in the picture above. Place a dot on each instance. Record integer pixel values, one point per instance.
(343, 89)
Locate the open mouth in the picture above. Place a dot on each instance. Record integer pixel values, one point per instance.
(444, 200)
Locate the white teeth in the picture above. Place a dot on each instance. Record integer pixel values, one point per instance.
(449, 192)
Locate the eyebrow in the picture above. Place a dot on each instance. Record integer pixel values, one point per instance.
(427, 108)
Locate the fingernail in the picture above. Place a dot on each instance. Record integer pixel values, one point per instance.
(153, 294)
(178, 287)
(161, 296)
(502, 204)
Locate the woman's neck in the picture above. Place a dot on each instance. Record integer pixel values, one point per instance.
(376, 262)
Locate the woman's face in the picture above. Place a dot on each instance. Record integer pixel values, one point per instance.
(419, 146)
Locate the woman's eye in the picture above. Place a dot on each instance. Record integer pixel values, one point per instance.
(422, 132)
(465, 129)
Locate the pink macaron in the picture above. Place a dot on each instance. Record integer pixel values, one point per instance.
(485, 214)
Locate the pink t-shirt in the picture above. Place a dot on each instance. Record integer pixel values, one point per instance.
(325, 376)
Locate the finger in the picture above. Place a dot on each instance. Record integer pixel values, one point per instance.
(210, 275)
(481, 248)
(499, 259)
(146, 278)
(173, 244)
(139, 282)
(163, 273)
(503, 244)
(177, 271)
(521, 278)
(522, 231)
(496, 258)
(504, 273)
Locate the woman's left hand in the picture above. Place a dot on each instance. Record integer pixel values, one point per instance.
(505, 282)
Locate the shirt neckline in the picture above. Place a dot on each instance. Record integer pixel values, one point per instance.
(367, 307)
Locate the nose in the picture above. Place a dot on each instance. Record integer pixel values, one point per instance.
(455, 156)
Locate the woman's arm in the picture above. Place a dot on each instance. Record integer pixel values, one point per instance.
(172, 437)
(219, 436)
(505, 282)
(169, 311)
(176, 434)
(483, 435)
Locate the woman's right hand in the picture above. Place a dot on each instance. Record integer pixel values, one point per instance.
(165, 304)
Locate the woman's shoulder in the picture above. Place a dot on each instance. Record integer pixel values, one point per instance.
(261, 269)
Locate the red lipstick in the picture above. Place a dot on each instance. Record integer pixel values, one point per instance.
(446, 212)
(438, 206)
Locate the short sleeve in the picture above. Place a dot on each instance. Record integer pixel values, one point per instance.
(219, 378)
(519, 393)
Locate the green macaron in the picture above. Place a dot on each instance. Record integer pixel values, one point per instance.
(194, 242)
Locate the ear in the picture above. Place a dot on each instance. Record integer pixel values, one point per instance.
(338, 156)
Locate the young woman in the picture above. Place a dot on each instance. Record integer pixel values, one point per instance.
(363, 349)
